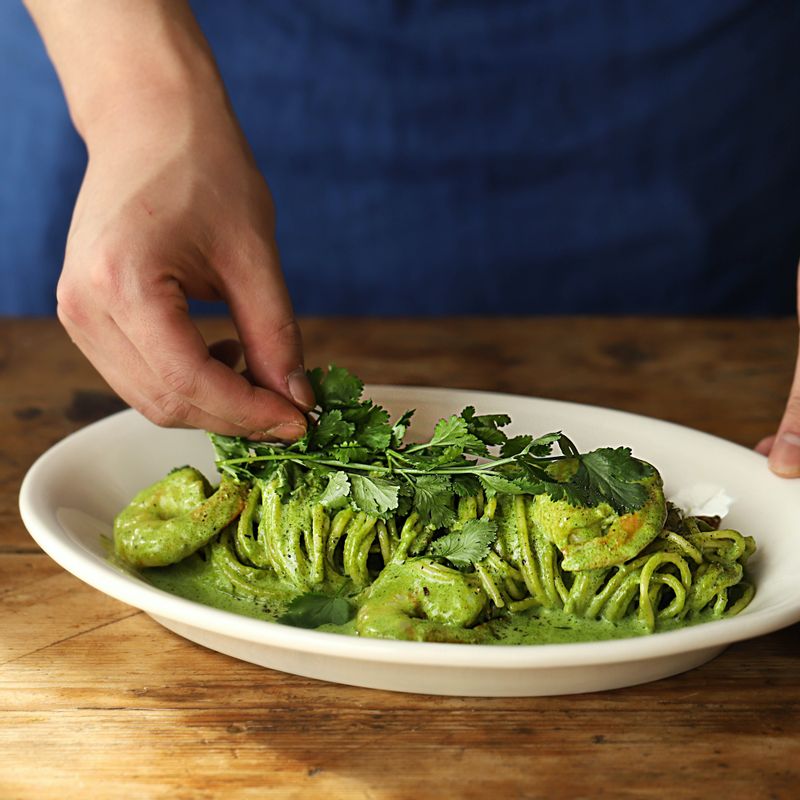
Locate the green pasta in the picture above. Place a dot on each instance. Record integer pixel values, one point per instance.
(454, 560)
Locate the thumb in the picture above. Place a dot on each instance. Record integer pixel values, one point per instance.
(270, 336)
(784, 458)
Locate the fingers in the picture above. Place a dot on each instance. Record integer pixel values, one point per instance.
(144, 343)
(136, 384)
(174, 351)
(784, 455)
(112, 353)
(130, 378)
(262, 311)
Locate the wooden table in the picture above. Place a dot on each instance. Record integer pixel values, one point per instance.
(97, 700)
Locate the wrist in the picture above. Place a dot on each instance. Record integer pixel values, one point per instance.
(127, 64)
(150, 96)
(155, 114)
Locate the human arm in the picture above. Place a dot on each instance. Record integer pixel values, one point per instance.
(172, 206)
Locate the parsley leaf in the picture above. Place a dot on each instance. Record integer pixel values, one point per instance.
(468, 546)
(314, 609)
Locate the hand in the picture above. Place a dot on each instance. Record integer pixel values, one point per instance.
(783, 448)
(172, 206)
(169, 209)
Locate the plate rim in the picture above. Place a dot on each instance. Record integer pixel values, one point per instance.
(108, 579)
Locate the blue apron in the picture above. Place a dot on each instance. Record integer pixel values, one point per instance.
(474, 157)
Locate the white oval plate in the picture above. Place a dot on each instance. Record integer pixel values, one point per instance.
(70, 496)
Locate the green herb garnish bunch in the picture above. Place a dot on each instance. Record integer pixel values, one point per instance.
(361, 458)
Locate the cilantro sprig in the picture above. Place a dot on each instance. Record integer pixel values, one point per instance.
(468, 546)
(362, 460)
(313, 609)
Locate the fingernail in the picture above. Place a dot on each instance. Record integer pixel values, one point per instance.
(300, 389)
(285, 432)
(785, 456)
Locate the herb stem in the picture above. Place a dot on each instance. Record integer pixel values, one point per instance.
(301, 459)
(490, 465)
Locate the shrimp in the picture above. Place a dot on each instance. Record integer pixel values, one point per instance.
(597, 536)
(175, 517)
(421, 600)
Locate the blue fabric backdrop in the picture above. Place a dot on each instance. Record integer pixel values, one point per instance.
(456, 157)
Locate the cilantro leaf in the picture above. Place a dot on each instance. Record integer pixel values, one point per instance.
(347, 452)
(336, 492)
(336, 388)
(466, 485)
(229, 446)
(375, 496)
(344, 419)
(433, 499)
(400, 427)
(612, 475)
(374, 431)
(314, 609)
(493, 484)
(453, 434)
(534, 471)
(468, 546)
(449, 431)
(567, 446)
(540, 447)
(486, 427)
(513, 447)
(405, 499)
(543, 445)
(331, 427)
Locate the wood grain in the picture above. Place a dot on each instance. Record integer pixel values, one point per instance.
(97, 700)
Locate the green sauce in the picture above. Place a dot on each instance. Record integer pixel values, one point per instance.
(194, 579)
